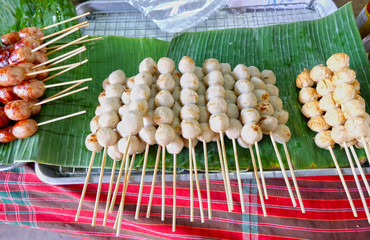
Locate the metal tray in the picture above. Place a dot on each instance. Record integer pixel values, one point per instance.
(121, 19)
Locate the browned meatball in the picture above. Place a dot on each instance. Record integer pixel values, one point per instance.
(18, 110)
(30, 89)
(22, 55)
(7, 94)
(25, 128)
(6, 134)
(4, 120)
(11, 75)
(40, 57)
(31, 31)
(10, 38)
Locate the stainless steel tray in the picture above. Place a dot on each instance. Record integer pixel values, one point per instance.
(121, 19)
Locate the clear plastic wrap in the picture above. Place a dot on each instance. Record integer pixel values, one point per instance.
(177, 15)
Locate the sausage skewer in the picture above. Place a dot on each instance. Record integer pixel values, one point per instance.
(65, 21)
(153, 181)
(359, 167)
(79, 25)
(72, 66)
(75, 43)
(78, 50)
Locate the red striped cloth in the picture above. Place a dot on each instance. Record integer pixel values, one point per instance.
(27, 201)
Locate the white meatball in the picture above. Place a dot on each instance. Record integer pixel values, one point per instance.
(211, 64)
(140, 105)
(147, 134)
(148, 65)
(117, 76)
(92, 143)
(130, 82)
(251, 133)
(165, 82)
(176, 146)
(234, 129)
(102, 97)
(204, 114)
(241, 72)
(141, 91)
(320, 72)
(132, 147)
(265, 108)
(327, 102)
(114, 90)
(324, 140)
(311, 109)
(123, 109)
(201, 100)
(186, 65)
(344, 92)
(163, 115)
(98, 110)
(176, 75)
(190, 128)
(219, 122)
(243, 86)
(164, 98)
(165, 135)
(339, 134)
(144, 78)
(357, 127)
(308, 94)
(281, 115)
(229, 82)
(356, 85)
(262, 95)
(105, 83)
(338, 61)
(194, 142)
(247, 100)
(94, 124)
(242, 143)
(344, 75)
(141, 147)
(276, 102)
(201, 89)
(188, 96)
(176, 109)
(207, 134)
(254, 71)
(272, 90)
(353, 108)
(111, 104)
(318, 124)
(230, 96)
(176, 125)
(215, 91)
(189, 80)
(190, 111)
(131, 122)
(225, 68)
(114, 153)
(268, 77)
(217, 105)
(268, 123)
(166, 65)
(106, 136)
(176, 93)
(334, 117)
(232, 111)
(324, 87)
(281, 134)
(249, 115)
(109, 119)
(258, 83)
(148, 120)
(126, 97)
(214, 77)
(199, 72)
(304, 80)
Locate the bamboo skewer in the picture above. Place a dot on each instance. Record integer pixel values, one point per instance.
(153, 181)
(65, 90)
(261, 170)
(99, 187)
(163, 212)
(68, 57)
(109, 192)
(238, 175)
(68, 83)
(142, 182)
(85, 186)
(293, 177)
(365, 147)
(207, 180)
(357, 182)
(79, 25)
(198, 186)
(174, 194)
(65, 21)
(61, 118)
(67, 45)
(65, 70)
(227, 175)
(58, 57)
(75, 43)
(223, 173)
(60, 96)
(191, 184)
(55, 39)
(283, 170)
(343, 181)
(50, 69)
(258, 181)
(359, 167)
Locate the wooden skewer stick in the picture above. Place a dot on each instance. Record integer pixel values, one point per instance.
(124, 160)
(109, 192)
(359, 167)
(163, 212)
(63, 31)
(60, 96)
(153, 182)
(67, 57)
(283, 170)
(57, 58)
(55, 39)
(50, 69)
(258, 181)
(75, 43)
(207, 180)
(343, 181)
(366, 147)
(85, 186)
(198, 186)
(259, 161)
(142, 182)
(238, 175)
(65, 90)
(66, 45)
(293, 177)
(223, 173)
(227, 175)
(358, 184)
(65, 70)
(191, 183)
(65, 21)
(62, 118)
(174, 194)
(68, 83)
(99, 187)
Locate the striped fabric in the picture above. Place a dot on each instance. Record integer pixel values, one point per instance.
(26, 201)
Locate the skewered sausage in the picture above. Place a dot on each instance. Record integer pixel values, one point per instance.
(22, 55)
(31, 31)
(7, 94)
(6, 134)
(10, 38)
(11, 75)
(25, 128)
(4, 120)
(18, 110)
(30, 89)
